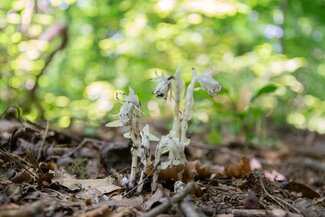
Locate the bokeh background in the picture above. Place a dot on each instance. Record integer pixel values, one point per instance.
(64, 60)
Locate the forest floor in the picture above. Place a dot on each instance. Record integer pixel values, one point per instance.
(44, 172)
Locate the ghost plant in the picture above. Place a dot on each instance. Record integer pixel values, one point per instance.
(175, 141)
(129, 115)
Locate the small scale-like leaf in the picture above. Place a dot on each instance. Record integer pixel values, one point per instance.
(270, 88)
(116, 123)
(127, 135)
(153, 138)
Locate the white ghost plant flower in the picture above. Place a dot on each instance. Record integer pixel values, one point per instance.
(129, 116)
(175, 141)
(130, 103)
(207, 82)
(163, 86)
(170, 144)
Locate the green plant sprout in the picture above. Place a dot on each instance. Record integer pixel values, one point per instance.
(175, 141)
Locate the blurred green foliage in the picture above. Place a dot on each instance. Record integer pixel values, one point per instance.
(64, 60)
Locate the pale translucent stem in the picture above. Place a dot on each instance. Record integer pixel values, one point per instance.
(135, 138)
(178, 92)
(134, 166)
(145, 168)
(188, 106)
(157, 170)
(140, 187)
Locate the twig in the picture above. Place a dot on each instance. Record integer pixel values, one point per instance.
(18, 113)
(191, 210)
(43, 141)
(276, 199)
(34, 161)
(167, 204)
(84, 141)
(17, 162)
(252, 212)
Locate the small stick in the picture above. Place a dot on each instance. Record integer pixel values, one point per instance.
(189, 209)
(177, 198)
(43, 141)
(17, 162)
(278, 200)
(258, 213)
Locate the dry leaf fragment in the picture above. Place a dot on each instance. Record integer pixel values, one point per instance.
(23, 176)
(103, 186)
(238, 169)
(188, 172)
(301, 188)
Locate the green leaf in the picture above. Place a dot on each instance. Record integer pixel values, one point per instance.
(270, 88)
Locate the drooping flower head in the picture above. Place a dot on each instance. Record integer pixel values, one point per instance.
(130, 103)
(207, 82)
(126, 111)
(163, 86)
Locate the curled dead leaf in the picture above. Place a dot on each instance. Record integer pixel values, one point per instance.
(301, 188)
(190, 171)
(238, 169)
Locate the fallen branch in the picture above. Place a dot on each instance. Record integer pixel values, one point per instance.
(251, 212)
(189, 209)
(259, 213)
(168, 203)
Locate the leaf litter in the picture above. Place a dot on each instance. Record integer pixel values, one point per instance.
(50, 173)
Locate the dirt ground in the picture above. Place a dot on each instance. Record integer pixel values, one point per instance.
(44, 172)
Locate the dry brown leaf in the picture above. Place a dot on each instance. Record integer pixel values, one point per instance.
(187, 172)
(303, 189)
(172, 174)
(103, 186)
(23, 176)
(238, 169)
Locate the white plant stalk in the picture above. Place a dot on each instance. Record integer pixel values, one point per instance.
(175, 141)
(129, 115)
(188, 108)
(144, 153)
(178, 83)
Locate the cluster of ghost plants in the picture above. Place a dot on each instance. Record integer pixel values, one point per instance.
(175, 141)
